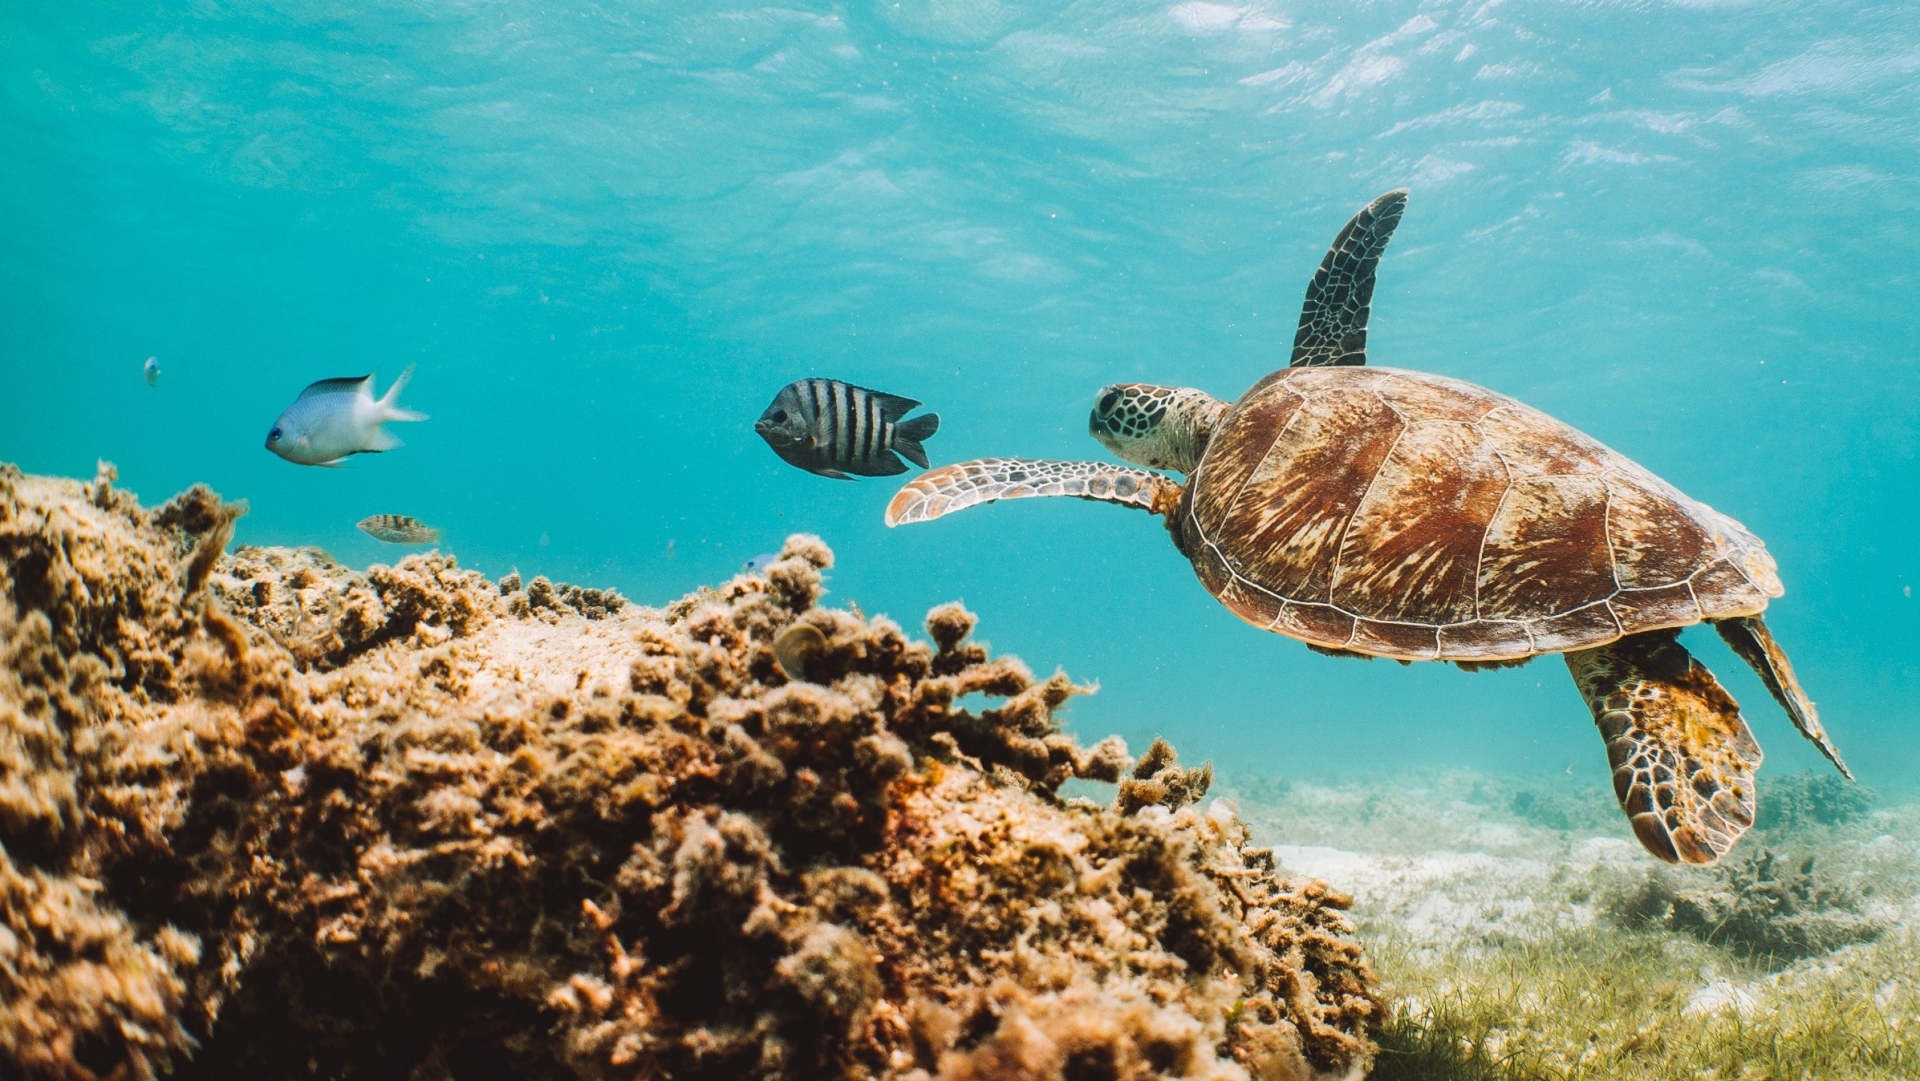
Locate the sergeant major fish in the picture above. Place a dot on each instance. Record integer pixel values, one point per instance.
(399, 529)
(337, 417)
(832, 428)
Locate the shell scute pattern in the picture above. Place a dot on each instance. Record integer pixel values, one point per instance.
(1290, 515)
(1410, 641)
(1231, 456)
(1401, 558)
(1548, 543)
(1321, 624)
(1534, 442)
(1434, 399)
(1649, 548)
(1412, 516)
(1660, 606)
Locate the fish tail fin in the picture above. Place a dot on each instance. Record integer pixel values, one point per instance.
(907, 437)
(390, 404)
(386, 440)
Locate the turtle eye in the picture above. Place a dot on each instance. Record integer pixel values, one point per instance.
(779, 416)
(1106, 402)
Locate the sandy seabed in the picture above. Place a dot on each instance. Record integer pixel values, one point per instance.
(1521, 933)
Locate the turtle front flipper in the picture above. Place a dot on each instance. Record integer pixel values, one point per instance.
(1333, 321)
(1749, 637)
(1683, 758)
(983, 480)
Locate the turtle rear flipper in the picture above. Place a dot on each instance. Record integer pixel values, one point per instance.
(1749, 637)
(1683, 758)
(983, 480)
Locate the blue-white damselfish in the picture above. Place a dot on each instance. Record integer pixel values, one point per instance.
(337, 417)
(832, 428)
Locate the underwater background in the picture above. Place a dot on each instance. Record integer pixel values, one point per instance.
(608, 234)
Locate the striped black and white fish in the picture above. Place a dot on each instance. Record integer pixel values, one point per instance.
(832, 428)
(399, 529)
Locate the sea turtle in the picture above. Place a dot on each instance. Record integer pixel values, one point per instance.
(1398, 514)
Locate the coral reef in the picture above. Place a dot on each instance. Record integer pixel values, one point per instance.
(1807, 798)
(1759, 907)
(265, 816)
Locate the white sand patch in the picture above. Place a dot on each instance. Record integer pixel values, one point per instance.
(1454, 899)
(1721, 995)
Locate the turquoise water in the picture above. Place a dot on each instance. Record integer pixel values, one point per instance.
(607, 235)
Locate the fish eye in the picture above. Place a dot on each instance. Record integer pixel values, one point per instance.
(272, 435)
(779, 416)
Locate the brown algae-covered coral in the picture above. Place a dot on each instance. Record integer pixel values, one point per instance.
(263, 813)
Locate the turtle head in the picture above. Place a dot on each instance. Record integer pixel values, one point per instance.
(1158, 427)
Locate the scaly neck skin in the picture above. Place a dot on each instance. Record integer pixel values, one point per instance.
(1191, 418)
(1157, 427)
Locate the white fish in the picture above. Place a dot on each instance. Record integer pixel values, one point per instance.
(337, 417)
(152, 371)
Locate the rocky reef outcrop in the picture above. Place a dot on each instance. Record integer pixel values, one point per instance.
(262, 815)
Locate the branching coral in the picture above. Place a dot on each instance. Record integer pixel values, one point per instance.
(1800, 801)
(1760, 907)
(271, 816)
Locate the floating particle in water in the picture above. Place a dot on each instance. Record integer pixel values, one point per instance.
(399, 529)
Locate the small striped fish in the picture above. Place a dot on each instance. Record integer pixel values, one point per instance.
(399, 529)
(832, 428)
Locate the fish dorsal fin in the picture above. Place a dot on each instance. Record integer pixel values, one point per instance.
(343, 385)
(893, 406)
(1333, 322)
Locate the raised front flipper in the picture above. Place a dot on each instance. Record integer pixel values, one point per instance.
(983, 480)
(1333, 321)
(1682, 756)
(1749, 637)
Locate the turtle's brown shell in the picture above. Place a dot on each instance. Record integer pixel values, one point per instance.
(1412, 516)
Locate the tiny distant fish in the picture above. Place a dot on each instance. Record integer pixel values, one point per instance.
(337, 417)
(832, 428)
(399, 529)
(794, 646)
(759, 564)
(151, 369)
